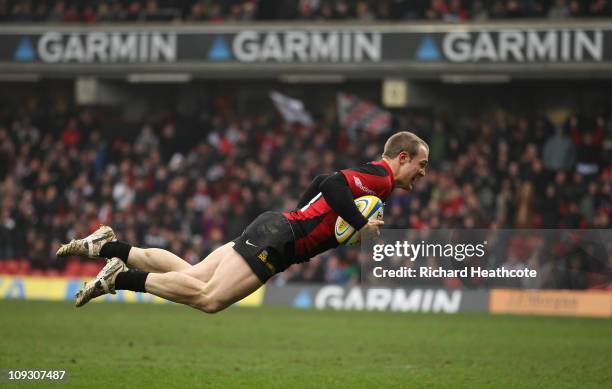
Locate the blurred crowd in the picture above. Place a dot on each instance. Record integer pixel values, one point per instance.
(216, 11)
(190, 186)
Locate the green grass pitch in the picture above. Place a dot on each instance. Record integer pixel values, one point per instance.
(117, 345)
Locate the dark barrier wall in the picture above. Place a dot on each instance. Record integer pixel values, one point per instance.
(369, 50)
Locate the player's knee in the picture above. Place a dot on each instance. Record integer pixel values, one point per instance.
(148, 254)
(210, 305)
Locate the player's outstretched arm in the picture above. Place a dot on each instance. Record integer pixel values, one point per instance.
(338, 195)
(312, 190)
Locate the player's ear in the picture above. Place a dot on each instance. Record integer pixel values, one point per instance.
(403, 157)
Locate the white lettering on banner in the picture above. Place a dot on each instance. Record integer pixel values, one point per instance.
(511, 42)
(73, 51)
(541, 48)
(524, 46)
(163, 46)
(307, 46)
(367, 45)
(484, 48)
(49, 47)
(329, 296)
(103, 47)
(325, 48)
(123, 49)
(383, 299)
(346, 47)
(594, 47)
(456, 46)
(271, 47)
(98, 47)
(245, 47)
(142, 52)
(565, 45)
(297, 45)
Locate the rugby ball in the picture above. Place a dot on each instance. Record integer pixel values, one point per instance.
(371, 207)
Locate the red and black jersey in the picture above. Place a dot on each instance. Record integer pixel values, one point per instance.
(329, 196)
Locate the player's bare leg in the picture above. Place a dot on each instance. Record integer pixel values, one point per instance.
(232, 281)
(155, 260)
(205, 269)
(222, 279)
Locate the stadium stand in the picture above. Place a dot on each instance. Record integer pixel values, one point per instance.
(165, 184)
(198, 11)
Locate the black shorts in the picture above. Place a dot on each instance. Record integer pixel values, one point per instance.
(267, 245)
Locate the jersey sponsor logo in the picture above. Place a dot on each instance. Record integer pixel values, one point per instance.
(386, 299)
(361, 186)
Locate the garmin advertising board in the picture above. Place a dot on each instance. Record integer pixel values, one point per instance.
(375, 49)
(434, 300)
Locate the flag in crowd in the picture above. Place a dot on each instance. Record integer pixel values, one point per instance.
(292, 110)
(357, 114)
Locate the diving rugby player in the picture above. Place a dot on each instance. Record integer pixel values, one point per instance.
(270, 244)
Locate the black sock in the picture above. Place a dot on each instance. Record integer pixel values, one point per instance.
(131, 280)
(117, 249)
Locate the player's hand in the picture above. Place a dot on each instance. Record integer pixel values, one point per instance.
(371, 230)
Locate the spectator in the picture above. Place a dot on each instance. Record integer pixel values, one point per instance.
(559, 152)
(588, 144)
(456, 12)
(479, 12)
(57, 12)
(146, 141)
(133, 12)
(71, 135)
(5, 14)
(363, 11)
(559, 10)
(600, 8)
(514, 10)
(71, 15)
(89, 14)
(498, 11)
(198, 12)
(575, 9)
(438, 10)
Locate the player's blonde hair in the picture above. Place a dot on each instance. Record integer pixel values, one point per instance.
(403, 141)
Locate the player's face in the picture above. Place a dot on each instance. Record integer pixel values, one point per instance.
(411, 169)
